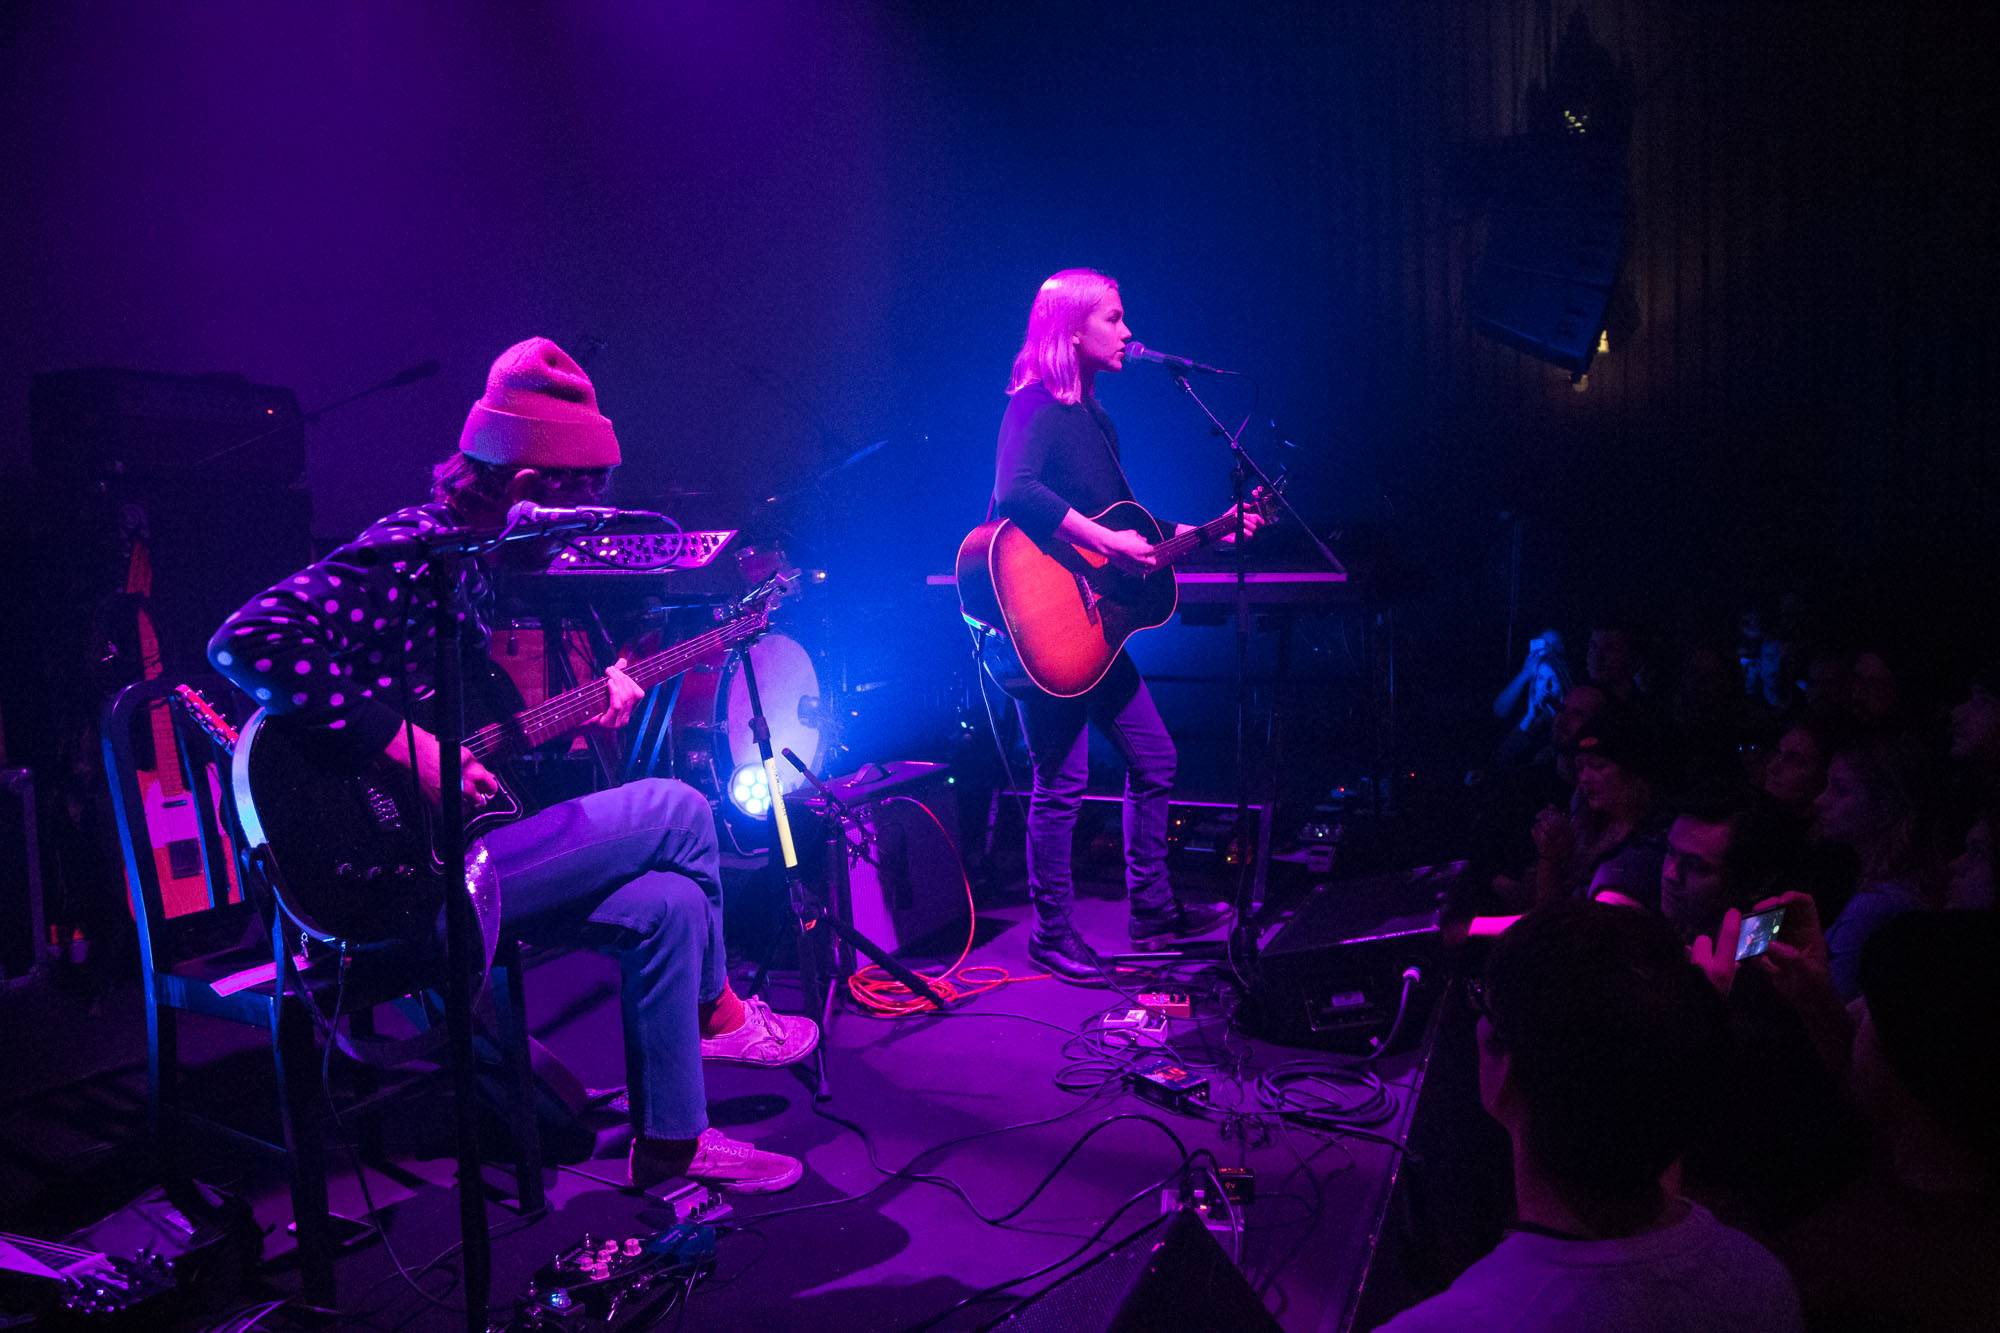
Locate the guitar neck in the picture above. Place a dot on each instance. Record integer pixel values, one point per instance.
(569, 710)
(59, 1260)
(1173, 548)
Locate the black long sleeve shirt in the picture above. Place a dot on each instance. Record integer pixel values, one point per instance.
(340, 643)
(1055, 457)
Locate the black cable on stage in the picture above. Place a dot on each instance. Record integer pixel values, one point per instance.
(332, 1029)
(988, 1293)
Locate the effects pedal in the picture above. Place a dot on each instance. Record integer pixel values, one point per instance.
(1166, 1082)
(1219, 1213)
(1168, 1003)
(1144, 1027)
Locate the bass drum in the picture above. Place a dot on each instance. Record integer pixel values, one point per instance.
(711, 718)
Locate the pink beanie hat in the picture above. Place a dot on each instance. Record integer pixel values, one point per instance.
(539, 411)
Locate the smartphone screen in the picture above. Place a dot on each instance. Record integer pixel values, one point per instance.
(1758, 932)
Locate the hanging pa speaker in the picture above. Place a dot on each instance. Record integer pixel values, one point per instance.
(1555, 237)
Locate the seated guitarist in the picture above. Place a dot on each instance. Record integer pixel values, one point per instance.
(1058, 463)
(632, 871)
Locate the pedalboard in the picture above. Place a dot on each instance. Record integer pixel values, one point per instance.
(606, 1283)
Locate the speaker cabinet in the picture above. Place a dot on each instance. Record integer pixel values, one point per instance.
(1333, 976)
(890, 861)
(1171, 1277)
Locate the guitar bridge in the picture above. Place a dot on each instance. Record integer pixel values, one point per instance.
(1091, 597)
(383, 810)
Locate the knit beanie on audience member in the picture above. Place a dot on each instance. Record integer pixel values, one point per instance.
(1627, 737)
(539, 411)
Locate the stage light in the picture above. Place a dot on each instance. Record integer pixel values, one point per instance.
(750, 791)
(1603, 341)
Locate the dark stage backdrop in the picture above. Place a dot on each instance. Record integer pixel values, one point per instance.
(798, 229)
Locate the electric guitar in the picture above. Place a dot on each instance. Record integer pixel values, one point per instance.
(87, 1288)
(1055, 616)
(354, 854)
(170, 818)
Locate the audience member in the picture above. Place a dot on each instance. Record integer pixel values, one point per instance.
(1880, 801)
(1538, 690)
(1969, 884)
(1599, 1050)
(1975, 730)
(1876, 697)
(1796, 772)
(1709, 715)
(1508, 804)
(1829, 681)
(1616, 839)
(1911, 1243)
(1613, 660)
(1702, 848)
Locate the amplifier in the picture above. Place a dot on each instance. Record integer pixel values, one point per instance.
(892, 866)
(1333, 976)
(87, 423)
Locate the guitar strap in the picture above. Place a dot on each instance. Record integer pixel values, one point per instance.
(992, 501)
(1112, 450)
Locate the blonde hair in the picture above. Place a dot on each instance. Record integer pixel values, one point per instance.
(1048, 353)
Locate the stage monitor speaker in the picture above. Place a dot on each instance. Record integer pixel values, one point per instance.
(1171, 1277)
(1554, 241)
(1333, 976)
(892, 866)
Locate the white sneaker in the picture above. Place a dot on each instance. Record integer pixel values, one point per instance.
(764, 1037)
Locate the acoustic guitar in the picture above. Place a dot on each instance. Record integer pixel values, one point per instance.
(1054, 615)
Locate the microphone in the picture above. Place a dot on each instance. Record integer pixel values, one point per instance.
(423, 370)
(528, 517)
(1180, 365)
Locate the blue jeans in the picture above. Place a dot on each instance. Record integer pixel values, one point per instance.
(1059, 746)
(634, 870)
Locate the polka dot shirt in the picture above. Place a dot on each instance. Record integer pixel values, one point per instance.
(339, 644)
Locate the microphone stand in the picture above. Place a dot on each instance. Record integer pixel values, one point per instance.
(1242, 938)
(785, 859)
(446, 550)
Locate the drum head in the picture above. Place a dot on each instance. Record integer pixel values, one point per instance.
(788, 686)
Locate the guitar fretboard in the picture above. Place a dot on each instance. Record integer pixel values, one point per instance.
(1173, 548)
(572, 708)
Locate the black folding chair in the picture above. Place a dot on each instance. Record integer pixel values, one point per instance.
(259, 981)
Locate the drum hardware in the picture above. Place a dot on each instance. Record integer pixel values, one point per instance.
(703, 734)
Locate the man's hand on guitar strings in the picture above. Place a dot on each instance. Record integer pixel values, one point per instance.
(625, 696)
(476, 781)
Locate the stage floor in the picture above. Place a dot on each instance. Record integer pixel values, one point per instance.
(969, 1099)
